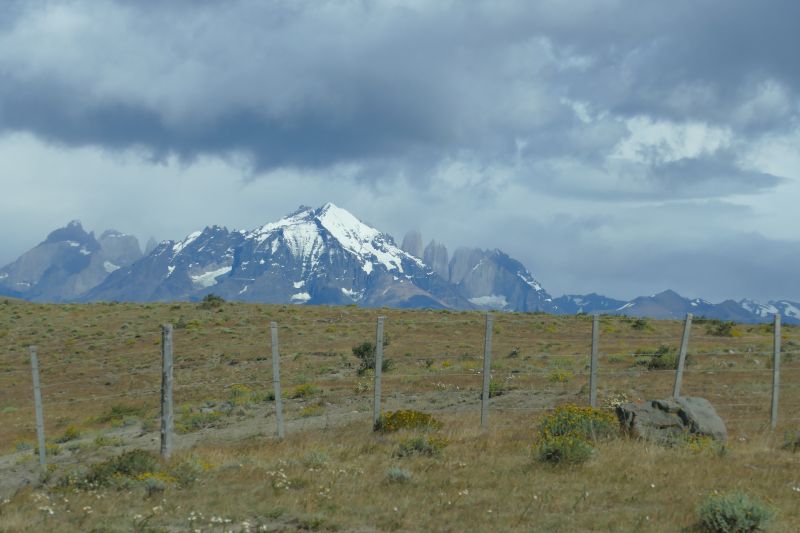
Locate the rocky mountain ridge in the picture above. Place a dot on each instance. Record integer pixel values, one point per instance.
(320, 256)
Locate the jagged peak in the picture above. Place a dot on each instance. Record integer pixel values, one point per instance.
(112, 233)
(303, 209)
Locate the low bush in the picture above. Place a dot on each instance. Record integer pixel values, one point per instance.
(129, 464)
(733, 513)
(791, 441)
(559, 376)
(118, 413)
(566, 435)
(720, 328)
(496, 388)
(661, 358)
(211, 301)
(398, 475)
(564, 449)
(588, 423)
(240, 394)
(196, 421)
(422, 445)
(406, 419)
(305, 390)
(702, 444)
(71, 433)
(365, 352)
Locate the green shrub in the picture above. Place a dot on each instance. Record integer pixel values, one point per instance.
(129, 464)
(211, 301)
(720, 328)
(733, 513)
(187, 471)
(702, 444)
(398, 475)
(365, 352)
(240, 394)
(118, 413)
(639, 324)
(661, 358)
(422, 445)
(566, 435)
(71, 433)
(791, 441)
(406, 419)
(496, 388)
(564, 449)
(197, 421)
(305, 390)
(559, 376)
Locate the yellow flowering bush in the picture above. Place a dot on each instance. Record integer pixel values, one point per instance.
(567, 433)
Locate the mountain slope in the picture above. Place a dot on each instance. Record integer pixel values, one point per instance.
(173, 270)
(67, 263)
(316, 256)
(490, 279)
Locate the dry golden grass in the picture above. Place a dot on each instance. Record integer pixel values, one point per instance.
(337, 480)
(97, 356)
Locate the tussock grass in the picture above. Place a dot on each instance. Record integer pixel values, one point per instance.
(477, 482)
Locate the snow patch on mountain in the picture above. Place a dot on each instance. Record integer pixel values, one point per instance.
(301, 297)
(209, 279)
(362, 240)
(179, 246)
(759, 309)
(493, 300)
(353, 295)
(110, 267)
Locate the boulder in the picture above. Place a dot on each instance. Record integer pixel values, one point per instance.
(669, 420)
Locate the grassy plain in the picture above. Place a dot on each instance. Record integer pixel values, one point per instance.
(100, 372)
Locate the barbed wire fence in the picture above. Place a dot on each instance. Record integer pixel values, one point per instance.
(158, 383)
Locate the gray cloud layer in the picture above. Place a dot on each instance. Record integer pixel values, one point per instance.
(310, 84)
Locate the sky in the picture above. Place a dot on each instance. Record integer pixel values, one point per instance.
(614, 146)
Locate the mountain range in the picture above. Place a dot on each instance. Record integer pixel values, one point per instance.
(319, 256)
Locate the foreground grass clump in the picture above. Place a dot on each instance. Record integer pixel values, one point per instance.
(422, 445)
(733, 513)
(135, 467)
(566, 435)
(129, 464)
(406, 419)
(564, 449)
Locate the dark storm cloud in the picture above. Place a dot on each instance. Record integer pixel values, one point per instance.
(404, 86)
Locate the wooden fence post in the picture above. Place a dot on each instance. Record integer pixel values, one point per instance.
(776, 372)
(276, 380)
(167, 413)
(37, 399)
(687, 328)
(376, 410)
(487, 371)
(593, 369)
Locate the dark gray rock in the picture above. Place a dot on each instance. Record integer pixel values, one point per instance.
(412, 244)
(668, 420)
(435, 256)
